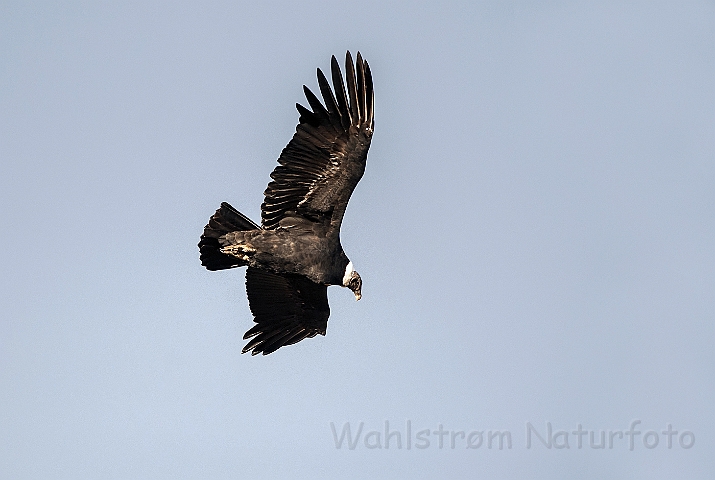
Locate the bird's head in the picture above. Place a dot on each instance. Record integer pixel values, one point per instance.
(352, 280)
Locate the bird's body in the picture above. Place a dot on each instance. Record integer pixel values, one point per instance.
(296, 253)
(305, 250)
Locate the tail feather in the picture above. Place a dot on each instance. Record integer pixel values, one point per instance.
(226, 219)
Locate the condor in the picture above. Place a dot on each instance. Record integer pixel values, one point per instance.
(295, 254)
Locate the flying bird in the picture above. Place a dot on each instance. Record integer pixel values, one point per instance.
(295, 254)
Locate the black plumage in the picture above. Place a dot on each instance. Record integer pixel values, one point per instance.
(296, 253)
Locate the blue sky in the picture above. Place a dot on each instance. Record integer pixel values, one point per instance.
(534, 231)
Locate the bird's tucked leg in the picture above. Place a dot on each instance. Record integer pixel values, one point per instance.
(241, 251)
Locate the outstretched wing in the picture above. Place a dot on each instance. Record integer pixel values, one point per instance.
(287, 308)
(324, 161)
